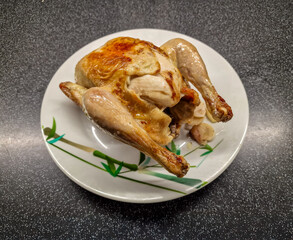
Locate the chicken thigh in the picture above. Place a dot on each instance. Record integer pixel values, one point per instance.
(128, 88)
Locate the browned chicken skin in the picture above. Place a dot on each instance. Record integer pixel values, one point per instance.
(125, 86)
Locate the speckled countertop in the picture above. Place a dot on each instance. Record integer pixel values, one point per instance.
(252, 199)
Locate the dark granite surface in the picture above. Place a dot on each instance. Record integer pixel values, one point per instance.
(252, 199)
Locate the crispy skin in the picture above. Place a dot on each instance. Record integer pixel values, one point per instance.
(117, 58)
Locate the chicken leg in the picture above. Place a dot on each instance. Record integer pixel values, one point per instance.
(105, 110)
(193, 69)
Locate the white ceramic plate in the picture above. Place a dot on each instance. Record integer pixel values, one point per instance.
(148, 183)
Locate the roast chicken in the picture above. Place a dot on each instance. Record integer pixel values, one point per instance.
(140, 94)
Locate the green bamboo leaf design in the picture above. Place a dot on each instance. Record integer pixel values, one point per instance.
(99, 154)
(173, 147)
(111, 166)
(53, 130)
(168, 148)
(118, 170)
(207, 147)
(112, 169)
(147, 161)
(108, 169)
(73, 144)
(56, 139)
(186, 181)
(152, 185)
(206, 153)
(191, 151)
(143, 161)
(141, 158)
(201, 185)
(218, 144)
(203, 159)
(123, 177)
(132, 167)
